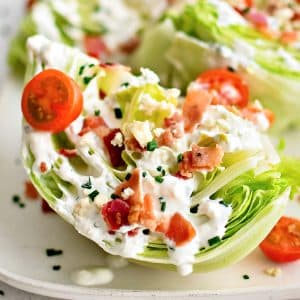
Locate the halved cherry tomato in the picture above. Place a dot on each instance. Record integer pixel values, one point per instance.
(51, 101)
(283, 242)
(227, 88)
(95, 46)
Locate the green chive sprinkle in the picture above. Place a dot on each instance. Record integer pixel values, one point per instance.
(91, 152)
(87, 185)
(16, 198)
(163, 206)
(114, 196)
(56, 268)
(230, 69)
(53, 252)
(97, 113)
(93, 195)
(2, 293)
(215, 240)
(22, 205)
(163, 172)
(91, 65)
(246, 277)
(179, 157)
(81, 69)
(159, 179)
(194, 209)
(159, 168)
(86, 80)
(146, 231)
(161, 198)
(118, 113)
(151, 146)
(144, 174)
(125, 84)
(128, 176)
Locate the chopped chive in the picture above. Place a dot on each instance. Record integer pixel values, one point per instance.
(144, 174)
(159, 179)
(87, 185)
(215, 240)
(114, 196)
(56, 268)
(151, 146)
(2, 293)
(159, 168)
(202, 248)
(81, 69)
(86, 80)
(125, 84)
(91, 65)
(163, 172)
(118, 113)
(128, 176)
(171, 248)
(224, 203)
(91, 151)
(16, 198)
(53, 252)
(22, 205)
(246, 277)
(179, 157)
(230, 69)
(194, 209)
(146, 231)
(161, 198)
(163, 206)
(118, 240)
(97, 113)
(93, 195)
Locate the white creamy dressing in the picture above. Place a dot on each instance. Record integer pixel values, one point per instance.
(226, 15)
(289, 60)
(45, 22)
(68, 9)
(121, 21)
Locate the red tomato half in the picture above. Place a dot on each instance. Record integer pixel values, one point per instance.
(51, 101)
(226, 87)
(283, 242)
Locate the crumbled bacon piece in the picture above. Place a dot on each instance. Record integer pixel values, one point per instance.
(200, 158)
(96, 124)
(30, 191)
(133, 145)
(115, 152)
(129, 46)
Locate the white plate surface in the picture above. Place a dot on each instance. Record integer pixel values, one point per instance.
(26, 233)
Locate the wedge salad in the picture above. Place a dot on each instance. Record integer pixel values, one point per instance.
(188, 183)
(210, 34)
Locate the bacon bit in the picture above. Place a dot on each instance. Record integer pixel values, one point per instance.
(250, 113)
(258, 19)
(136, 200)
(166, 139)
(96, 124)
(115, 152)
(30, 191)
(29, 4)
(200, 158)
(102, 94)
(133, 145)
(195, 104)
(43, 167)
(68, 152)
(147, 216)
(289, 37)
(133, 232)
(180, 230)
(129, 46)
(115, 213)
(95, 46)
(162, 224)
(46, 209)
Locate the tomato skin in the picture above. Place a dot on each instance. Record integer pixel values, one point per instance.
(226, 87)
(283, 242)
(51, 101)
